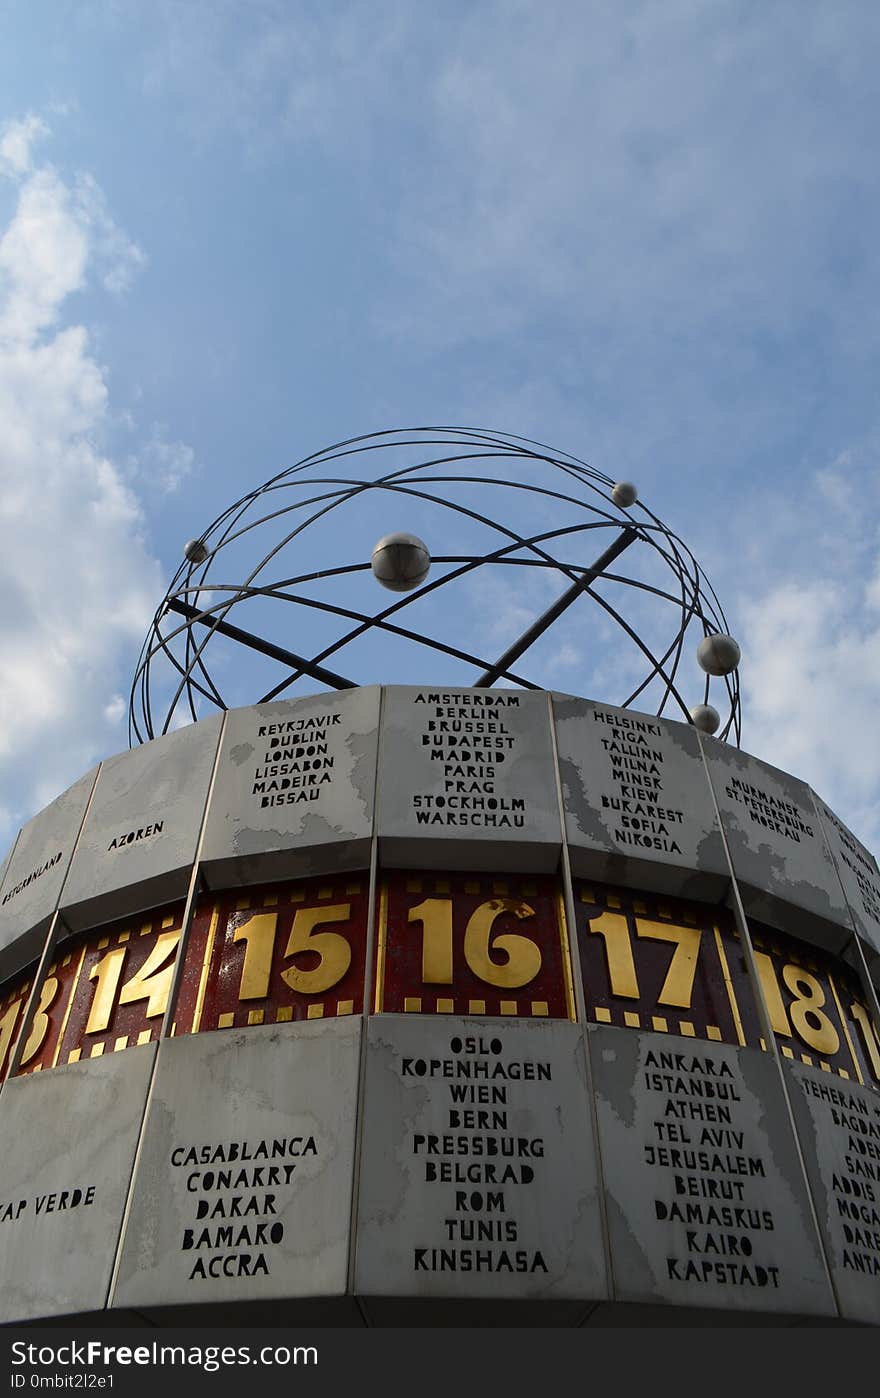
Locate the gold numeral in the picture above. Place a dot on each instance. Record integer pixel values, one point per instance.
(613, 930)
(867, 1031)
(258, 935)
(107, 973)
(804, 1016)
(333, 949)
(435, 915)
(151, 982)
(772, 995)
(678, 986)
(811, 1024)
(7, 1029)
(40, 1026)
(522, 955)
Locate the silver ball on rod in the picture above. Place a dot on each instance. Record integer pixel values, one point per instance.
(195, 550)
(624, 494)
(400, 562)
(718, 655)
(706, 718)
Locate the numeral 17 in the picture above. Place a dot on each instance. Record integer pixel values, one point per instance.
(678, 986)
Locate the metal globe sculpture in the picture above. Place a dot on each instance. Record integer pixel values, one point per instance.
(537, 580)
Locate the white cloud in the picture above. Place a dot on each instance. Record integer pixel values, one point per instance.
(118, 258)
(836, 485)
(77, 582)
(810, 636)
(59, 232)
(43, 255)
(162, 465)
(16, 140)
(564, 657)
(115, 711)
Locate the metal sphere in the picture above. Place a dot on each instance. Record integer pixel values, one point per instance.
(718, 655)
(195, 551)
(624, 494)
(400, 562)
(705, 718)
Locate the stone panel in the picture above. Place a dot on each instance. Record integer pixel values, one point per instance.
(782, 864)
(839, 1128)
(294, 789)
(69, 1140)
(478, 1171)
(638, 804)
(705, 1197)
(140, 836)
(5, 865)
(36, 873)
(467, 781)
(857, 871)
(248, 1153)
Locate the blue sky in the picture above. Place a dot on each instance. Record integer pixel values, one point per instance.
(647, 234)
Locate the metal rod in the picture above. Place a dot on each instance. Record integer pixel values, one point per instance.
(540, 626)
(287, 657)
(769, 1042)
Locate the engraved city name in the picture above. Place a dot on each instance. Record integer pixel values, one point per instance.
(132, 837)
(58, 1201)
(477, 1146)
(706, 1165)
(769, 811)
(478, 1175)
(856, 860)
(635, 756)
(34, 874)
(848, 1161)
(465, 734)
(297, 760)
(248, 1182)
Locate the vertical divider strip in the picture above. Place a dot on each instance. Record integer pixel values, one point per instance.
(581, 1009)
(766, 1025)
(867, 984)
(861, 967)
(371, 971)
(167, 1019)
(48, 948)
